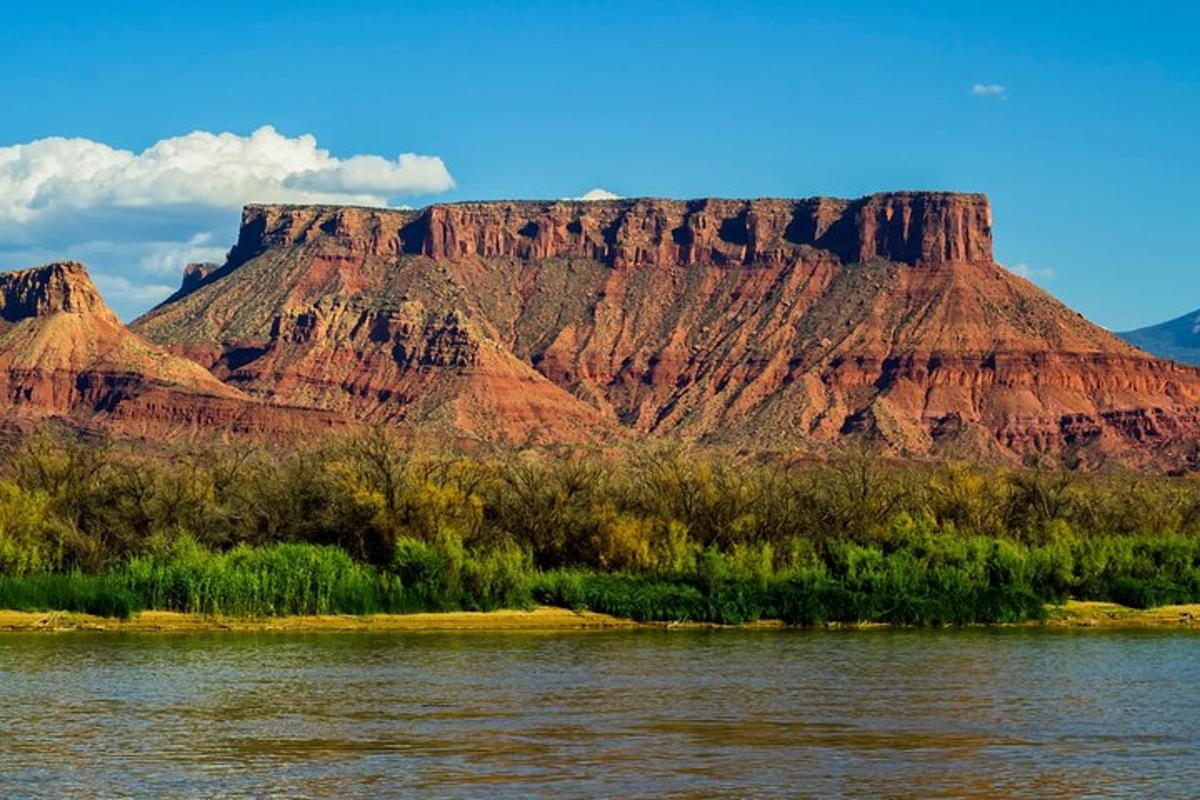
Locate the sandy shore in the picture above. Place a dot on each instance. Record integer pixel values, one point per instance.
(543, 618)
(1077, 614)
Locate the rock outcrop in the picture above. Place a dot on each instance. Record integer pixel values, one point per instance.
(768, 324)
(64, 354)
(194, 275)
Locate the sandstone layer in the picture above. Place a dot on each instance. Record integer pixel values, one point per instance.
(768, 324)
(65, 355)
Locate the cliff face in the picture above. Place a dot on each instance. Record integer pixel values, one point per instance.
(909, 227)
(63, 286)
(64, 354)
(763, 323)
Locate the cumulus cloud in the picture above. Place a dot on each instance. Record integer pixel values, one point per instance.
(1036, 274)
(989, 90)
(166, 258)
(117, 289)
(213, 169)
(141, 216)
(597, 194)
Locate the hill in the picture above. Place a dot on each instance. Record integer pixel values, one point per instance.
(1177, 339)
(764, 324)
(65, 355)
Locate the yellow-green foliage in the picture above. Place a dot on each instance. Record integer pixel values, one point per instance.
(29, 539)
(624, 541)
(400, 528)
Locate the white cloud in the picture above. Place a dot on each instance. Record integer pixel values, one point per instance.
(989, 90)
(117, 289)
(140, 215)
(168, 258)
(1037, 274)
(145, 260)
(202, 168)
(597, 194)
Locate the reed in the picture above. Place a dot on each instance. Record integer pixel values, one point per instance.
(102, 595)
(280, 579)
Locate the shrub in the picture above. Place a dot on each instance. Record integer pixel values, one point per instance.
(30, 540)
(498, 578)
(425, 576)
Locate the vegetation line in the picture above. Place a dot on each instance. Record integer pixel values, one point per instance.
(367, 524)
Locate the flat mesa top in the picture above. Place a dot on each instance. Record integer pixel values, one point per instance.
(936, 196)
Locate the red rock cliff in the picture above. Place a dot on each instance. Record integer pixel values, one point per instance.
(908, 227)
(760, 323)
(65, 354)
(63, 286)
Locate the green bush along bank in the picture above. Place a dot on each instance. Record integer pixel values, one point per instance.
(369, 524)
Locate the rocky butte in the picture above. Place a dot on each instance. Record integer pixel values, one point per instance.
(65, 355)
(764, 324)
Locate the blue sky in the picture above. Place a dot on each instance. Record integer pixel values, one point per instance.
(1089, 151)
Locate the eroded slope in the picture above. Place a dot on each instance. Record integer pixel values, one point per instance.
(765, 323)
(65, 354)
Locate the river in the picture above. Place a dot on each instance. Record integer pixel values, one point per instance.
(618, 714)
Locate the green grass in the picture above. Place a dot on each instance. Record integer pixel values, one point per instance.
(102, 595)
(917, 579)
(796, 600)
(280, 580)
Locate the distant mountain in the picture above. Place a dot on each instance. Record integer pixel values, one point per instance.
(764, 324)
(1178, 339)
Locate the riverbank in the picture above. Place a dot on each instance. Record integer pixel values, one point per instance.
(1073, 614)
(542, 618)
(1076, 614)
